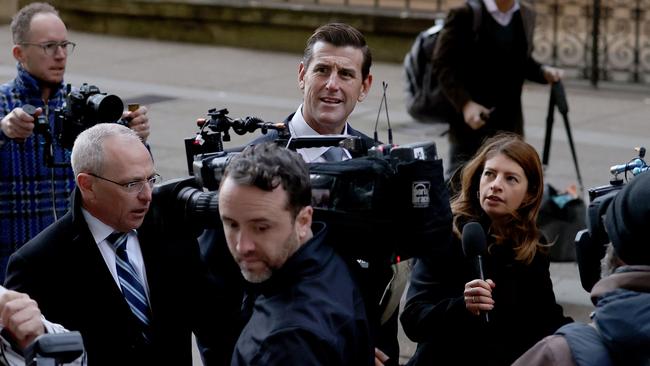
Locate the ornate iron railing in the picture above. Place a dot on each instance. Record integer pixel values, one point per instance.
(592, 39)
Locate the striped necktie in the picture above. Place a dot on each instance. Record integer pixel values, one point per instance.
(334, 154)
(132, 287)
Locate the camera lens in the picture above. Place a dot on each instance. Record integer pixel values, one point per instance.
(107, 108)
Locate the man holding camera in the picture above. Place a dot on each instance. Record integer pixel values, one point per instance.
(21, 322)
(334, 76)
(619, 332)
(303, 306)
(33, 196)
(133, 288)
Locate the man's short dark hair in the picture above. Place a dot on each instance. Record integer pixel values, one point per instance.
(339, 35)
(266, 166)
(21, 21)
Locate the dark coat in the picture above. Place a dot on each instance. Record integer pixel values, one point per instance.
(435, 316)
(64, 271)
(310, 312)
(618, 335)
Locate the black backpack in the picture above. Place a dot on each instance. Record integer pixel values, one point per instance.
(425, 101)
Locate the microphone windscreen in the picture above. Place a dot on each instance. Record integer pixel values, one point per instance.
(474, 242)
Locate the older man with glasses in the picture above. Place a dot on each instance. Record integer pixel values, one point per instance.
(134, 289)
(33, 195)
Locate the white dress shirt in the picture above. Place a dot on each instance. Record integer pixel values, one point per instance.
(500, 17)
(299, 128)
(100, 232)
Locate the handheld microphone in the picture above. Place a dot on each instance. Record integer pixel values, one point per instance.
(474, 245)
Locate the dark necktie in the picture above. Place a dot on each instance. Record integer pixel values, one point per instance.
(130, 282)
(334, 154)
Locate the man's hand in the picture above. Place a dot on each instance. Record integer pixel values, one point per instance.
(21, 317)
(474, 113)
(138, 122)
(552, 74)
(18, 124)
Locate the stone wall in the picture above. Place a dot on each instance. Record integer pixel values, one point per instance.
(279, 27)
(7, 9)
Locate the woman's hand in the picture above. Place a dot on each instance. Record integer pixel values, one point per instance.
(478, 296)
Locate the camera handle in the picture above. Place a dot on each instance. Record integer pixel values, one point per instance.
(354, 144)
(42, 127)
(54, 349)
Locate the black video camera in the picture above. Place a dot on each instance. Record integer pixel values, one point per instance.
(84, 108)
(591, 242)
(386, 204)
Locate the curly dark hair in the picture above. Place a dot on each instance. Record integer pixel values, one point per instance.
(266, 166)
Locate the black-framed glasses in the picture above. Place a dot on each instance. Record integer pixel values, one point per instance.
(50, 48)
(136, 186)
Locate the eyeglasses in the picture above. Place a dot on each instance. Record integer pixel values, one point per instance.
(50, 48)
(136, 186)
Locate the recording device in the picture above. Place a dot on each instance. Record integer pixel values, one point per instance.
(82, 109)
(383, 205)
(474, 245)
(636, 165)
(54, 349)
(591, 242)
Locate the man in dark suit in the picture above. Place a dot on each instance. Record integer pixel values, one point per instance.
(333, 76)
(135, 299)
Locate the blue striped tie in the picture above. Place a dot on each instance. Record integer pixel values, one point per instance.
(132, 287)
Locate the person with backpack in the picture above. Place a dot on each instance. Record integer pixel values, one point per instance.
(481, 69)
(619, 332)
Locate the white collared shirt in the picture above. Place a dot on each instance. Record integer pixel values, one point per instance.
(299, 127)
(100, 232)
(500, 17)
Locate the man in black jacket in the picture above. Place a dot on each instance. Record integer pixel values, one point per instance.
(135, 300)
(304, 307)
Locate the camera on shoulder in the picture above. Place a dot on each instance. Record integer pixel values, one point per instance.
(591, 242)
(385, 204)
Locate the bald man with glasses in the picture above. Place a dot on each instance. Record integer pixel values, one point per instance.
(33, 195)
(134, 289)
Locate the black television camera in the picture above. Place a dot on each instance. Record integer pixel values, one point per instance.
(591, 242)
(83, 108)
(386, 204)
